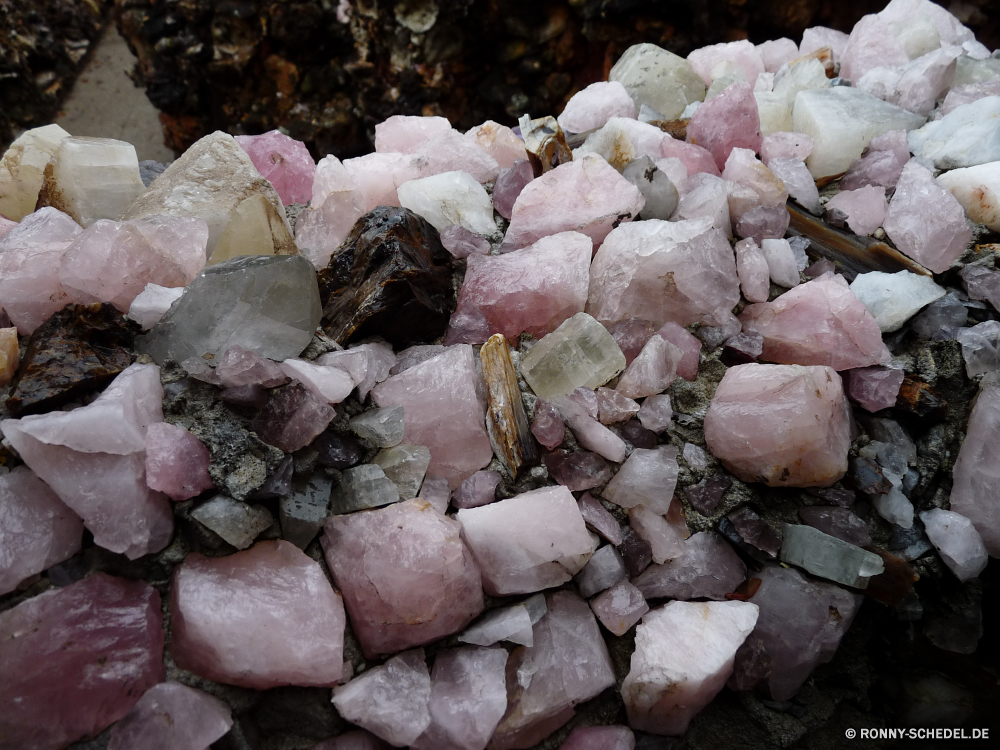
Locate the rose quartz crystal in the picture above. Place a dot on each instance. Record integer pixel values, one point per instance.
(871, 45)
(592, 107)
(367, 364)
(337, 203)
(655, 413)
(704, 195)
(36, 529)
(817, 37)
(683, 271)
(30, 256)
(622, 140)
(75, 660)
(881, 163)
(695, 159)
(332, 384)
(786, 145)
(742, 53)
(974, 492)
(452, 152)
(284, 162)
(528, 542)
(586, 195)
(93, 457)
(652, 371)
(727, 121)
(864, 209)
(965, 94)
(445, 411)
(292, 418)
(798, 182)
(547, 426)
(664, 534)
(152, 304)
(820, 322)
(231, 615)
(238, 366)
(377, 175)
(600, 738)
(568, 664)
(707, 568)
(687, 368)
(462, 243)
(533, 289)
(176, 462)
(876, 387)
(925, 221)
(957, 541)
(171, 716)
(477, 490)
(614, 407)
(647, 478)
(631, 335)
(6, 225)
(620, 607)
(784, 425)
(498, 141)
(744, 168)
(599, 519)
(509, 185)
(404, 134)
(684, 653)
(590, 433)
(406, 576)
(751, 265)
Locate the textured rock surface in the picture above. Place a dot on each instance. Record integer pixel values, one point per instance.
(708, 568)
(600, 738)
(964, 137)
(22, 171)
(172, 716)
(973, 494)
(620, 607)
(727, 121)
(176, 462)
(892, 299)
(647, 478)
(658, 78)
(977, 189)
(448, 199)
(292, 418)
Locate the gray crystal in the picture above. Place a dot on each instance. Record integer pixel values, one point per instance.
(828, 557)
(910, 543)
(980, 347)
(655, 186)
(234, 521)
(889, 431)
(303, 511)
(363, 487)
(268, 305)
(536, 607)
(604, 569)
(940, 317)
(708, 568)
(383, 428)
(405, 465)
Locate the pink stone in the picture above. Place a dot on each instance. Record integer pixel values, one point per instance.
(746, 169)
(568, 663)
(776, 52)
(600, 738)
(547, 426)
(751, 265)
(763, 223)
(230, 618)
(620, 607)
(590, 433)
(377, 175)
(694, 158)
(479, 489)
(359, 739)
(462, 243)
(284, 162)
(445, 411)
(674, 168)
(682, 271)
(820, 322)
(577, 470)
(599, 519)
(647, 478)
(652, 371)
(708, 568)
(337, 203)
(171, 716)
(367, 364)
(75, 660)
(798, 181)
(36, 529)
(786, 145)
(817, 37)
(664, 534)
(704, 195)
(863, 208)
(631, 335)
(93, 457)
(176, 462)
(957, 541)
(656, 413)
(871, 45)
(964, 94)
(727, 121)
(614, 407)
(533, 289)
(784, 425)
(528, 542)
(586, 195)
(467, 325)
(925, 221)
(498, 141)
(509, 185)
(292, 418)
(406, 576)
(687, 368)
(238, 366)
(876, 387)
(436, 491)
(403, 134)
(30, 256)
(450, 151)
(593, 106)
(974, 492)
(741, 53)
(330, 383)
(881, 163)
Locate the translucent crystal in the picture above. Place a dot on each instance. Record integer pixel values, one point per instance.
(729, 120)
(966, 136)
(957, 541)
(828, 557)
(450, 198)
(233, 521)
(282, 161)
(620, 607)
(707, 568)
(363, 487)
(405, 466)
(658, 78)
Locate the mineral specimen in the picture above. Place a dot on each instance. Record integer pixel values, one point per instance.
(509, 185)
(599, 519)
(965, 137)
(22, 171)
(282, 161)
(892, 299)
(863, 209)
(828, 557)
(462, 243)
(172, 716)
(957, 541)
(578, 470)
(364, 487)
(977, 189)
(293, 417)
(151, 304)
(303, 510)
(448, 199)
(604, 569)
(176, 462)
(405, 466)
(647, 478)
(838, 522)
(383, 428)
(233, 521)
(706, 569)
(876, 387)
(620, 607)
(659, 79)
(972, 494)
(727, 121)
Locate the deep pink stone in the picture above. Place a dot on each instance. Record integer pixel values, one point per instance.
(75, 660)
(509, 185)
(284, 162)
(479, 489)
(176, 462)
(620, 607)
(293, 417)
(876, 387)
(687, 368)
(547, 426)
(631, 335)
(600, 738)
(727, 121)
(238, 366)
(599, 519)
(172, 716)
(462, 242)
(578, 470)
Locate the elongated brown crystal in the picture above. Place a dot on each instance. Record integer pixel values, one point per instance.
(506, 420)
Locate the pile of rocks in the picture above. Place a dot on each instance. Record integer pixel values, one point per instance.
(627, 410)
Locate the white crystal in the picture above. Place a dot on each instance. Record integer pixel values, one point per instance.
(957, 541)
(152, 304)
(978, 190)
(781, 265)
(450, 198)
(966, 136)
(22, 170)
(894, 298)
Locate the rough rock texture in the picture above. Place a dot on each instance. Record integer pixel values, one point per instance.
(973, 494)
(659, 79)
(176, 462)
(647, 478)
(22, 171)
(727, 121)
(708, 568)
(957, 541)
(172, 716)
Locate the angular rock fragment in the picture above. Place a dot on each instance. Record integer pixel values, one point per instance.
(448, 199)
(547, 425)
(590, 433)
(659, 79)
(880, 164)
(367, 364)
(599, 738)
(828, 557)
(383, 428)
(462, 243)
(687, 368)
(477, 490)
(238, 367)
(152, 304)
(957, 541)
(235, 522)
(838, 522)
(977, 189)
(965, 137)
(594, 105)
(656, 187)
(706, 196)
(74, 660)
(599, 519)
(405, 466)
(330, 384)
(407, 577)
(303, 510)
(727, 121)
(742, 349)
(665, 534)
(876, 387)
(172, 716)
(980, 347)
(754, 274)
(620, 607)
(22, 170)
(647, 478)
(707, 494)
(753, 531)
(364, 487)
(293, 417)
(499, 142)
(738, 431)
(604, 569)
(338, 451)
(545, 143)
(708, 568)
(892, 299)
(230, 615)
(282, 161)
(529, 542)
(176, 462)
(763, 223)
(973, 493)
(652, 371)
(509, 185)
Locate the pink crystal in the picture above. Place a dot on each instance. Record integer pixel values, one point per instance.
(75, 660)
(687, 368)
(467, 325)
(656, 413)
(593, 106)
(798, 181)
(741, 53)
(599, 519)
(404, 134)
(337, 203)
(176, 462)
(614, 407)
(876, 387)
(751, 266)
(406, 576)
(631, 335)
(93, 457)
(452, 152)
(462, 243)
(925, 221)
(577, 470)
(786, 145)
(238, 366)
(647, 478)
(620, 607)
(292, 418)
(784, 425)
(974, 492)
(965, 94)
(871, 45)
(820, 322)
(547, 426)
(600, 738)
(957, 541)
(704, 195)
(30, 256)
(590, 433)
(694, 158)
(568, 663)
(171, 716)
(377, 175)
(479, 489)
(436, 491)
(652, 371)
(727, 121)
(777, 52)
(284, 162)
(586, 195)
(36, 529)
(533, 289)
(498, 141)
(763, 223)
(682, 271)
(332, 384)
(359, 739)
(444, 411)
(528, 542)
(864, 209)
(881, 163)
(708, 568)
(509, 185)
(746, 169)
(230, 618)
(664, 534)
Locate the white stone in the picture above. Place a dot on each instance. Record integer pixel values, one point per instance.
(957, 541)
(978, 190)
(502, 624)
(152, 304)
(894, 298)
(966, 136)
(450, 198)
(330, 383)
(621, 140)
(781, 265)
(22, 170)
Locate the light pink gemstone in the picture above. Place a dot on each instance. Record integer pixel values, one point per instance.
(547, 426)
(925, 221)
(509, 185)
(675, 169)
(647, 478)
(533, 289)
(452, 152)
(708, 568)
(36, 529)
(751, 265)
(499, 142)
(367, 364)
(881, 164)
(176, 462)
(172, 716)
(652, 371)
(599, 518)
(785, 425)
(741, 53)
(820, 322)
(864, 208)
(75, 660)
(377, 176)
(694, 158)
(238, 366)
(322, 228)
(477, 490)
(656, 413)
(620, 607)
(436, 491)
(590, 433)
(871, 45)
(404, 134)
(959, 95)
(587, 398)
(746, 169)
(727, 121)
(687, 368)
(631, 335)
(664, 534)
(231, 614)
(586, 195)
(798, 181)
(974, 492)
(282, 161)
(444, 411)
(706, 196)
(788, 145)
(30, 256)
(462, 243)
(332, 384)
(817, 37)
(776, 52)
(614, 407)
(592, 107)
(957, 541)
